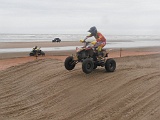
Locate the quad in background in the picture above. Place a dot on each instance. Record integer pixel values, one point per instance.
(36, 51)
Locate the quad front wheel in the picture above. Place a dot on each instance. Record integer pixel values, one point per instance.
(69, 63)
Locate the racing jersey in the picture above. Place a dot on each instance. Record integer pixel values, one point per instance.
(99, 37)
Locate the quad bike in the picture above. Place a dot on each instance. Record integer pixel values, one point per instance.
(36, 52)
(90, 59)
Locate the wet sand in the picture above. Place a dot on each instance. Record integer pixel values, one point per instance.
(40, 44)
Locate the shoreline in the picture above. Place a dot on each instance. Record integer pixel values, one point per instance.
(5, 45)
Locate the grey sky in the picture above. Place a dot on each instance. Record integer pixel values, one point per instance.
(112, 17)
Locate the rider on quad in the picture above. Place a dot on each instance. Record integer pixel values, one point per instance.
(91, 55)
(100, 39)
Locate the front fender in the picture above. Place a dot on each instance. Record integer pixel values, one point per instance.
(75, 57)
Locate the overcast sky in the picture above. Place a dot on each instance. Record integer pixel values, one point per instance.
(111, 17)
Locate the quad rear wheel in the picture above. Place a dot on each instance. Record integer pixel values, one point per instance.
(110, 65)
(42, 53)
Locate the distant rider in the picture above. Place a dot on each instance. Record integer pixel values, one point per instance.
(35, 48)
(100, 39)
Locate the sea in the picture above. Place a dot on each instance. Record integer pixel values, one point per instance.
(113, 41)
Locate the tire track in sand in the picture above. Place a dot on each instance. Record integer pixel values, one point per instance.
(43, 89)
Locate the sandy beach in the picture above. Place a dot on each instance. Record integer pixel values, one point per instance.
(42, 89)
(121, 83)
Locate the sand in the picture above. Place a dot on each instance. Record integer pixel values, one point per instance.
(42, 89)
